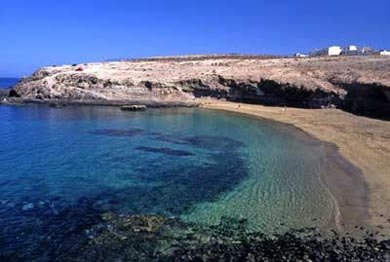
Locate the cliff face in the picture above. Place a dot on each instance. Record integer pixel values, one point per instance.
(358, 84)
(64, 84)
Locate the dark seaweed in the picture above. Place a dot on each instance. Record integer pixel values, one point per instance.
(213, 143)
(51, 228)
(117, 132)
(172, 190)
(164, 150)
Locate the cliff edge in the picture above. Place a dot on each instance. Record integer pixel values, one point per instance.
(360, 84)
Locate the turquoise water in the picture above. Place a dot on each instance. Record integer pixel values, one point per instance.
(61, 168)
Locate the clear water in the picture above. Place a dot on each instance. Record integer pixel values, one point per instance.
(61, 168)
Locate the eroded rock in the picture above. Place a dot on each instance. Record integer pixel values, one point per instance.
(308, 83)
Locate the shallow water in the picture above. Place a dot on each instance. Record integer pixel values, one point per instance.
(63, 168)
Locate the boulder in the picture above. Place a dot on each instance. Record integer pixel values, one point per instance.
(134, 108)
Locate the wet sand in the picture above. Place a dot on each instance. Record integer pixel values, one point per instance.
(362, 190)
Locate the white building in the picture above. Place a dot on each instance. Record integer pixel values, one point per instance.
(351, 48)
(329, 51)
(384, 52)
(300, 55)
(334, 50)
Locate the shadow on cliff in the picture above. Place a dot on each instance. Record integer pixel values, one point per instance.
(370, 100)
(367, 100)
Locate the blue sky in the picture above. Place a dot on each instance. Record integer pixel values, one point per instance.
(35, 33)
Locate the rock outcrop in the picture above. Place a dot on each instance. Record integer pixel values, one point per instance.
(134, 108)
(357, 84)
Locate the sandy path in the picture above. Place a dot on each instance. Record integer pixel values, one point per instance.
(362, 141)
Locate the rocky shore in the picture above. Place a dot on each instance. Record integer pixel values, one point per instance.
(156, 238)
(357, 84)
(142, 237)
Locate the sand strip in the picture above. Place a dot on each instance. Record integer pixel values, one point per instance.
(361, 141)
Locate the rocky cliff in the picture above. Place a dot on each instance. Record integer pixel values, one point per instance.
(357, 84)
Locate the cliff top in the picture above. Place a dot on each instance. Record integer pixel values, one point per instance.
(311, 73)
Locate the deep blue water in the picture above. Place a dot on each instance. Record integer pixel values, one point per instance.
(8, 82)
(60, 169)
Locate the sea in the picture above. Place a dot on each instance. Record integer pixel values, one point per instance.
(63, 169)
(8, 82)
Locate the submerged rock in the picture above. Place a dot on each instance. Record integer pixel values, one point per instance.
(78, 233)
(164, 150)
(155, 238)
(57, 105)
(135, 223)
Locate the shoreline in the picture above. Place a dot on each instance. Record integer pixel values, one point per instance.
(337, 170)
(360, 208)
(348, 188)
(345, 183)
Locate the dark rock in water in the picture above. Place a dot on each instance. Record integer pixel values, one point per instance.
(57, 105)
(13, 93)
(80, 233)
(134, 108)
(217, 143)
(156, 238)
(214, 143)
(135, 223)
(158, 194)
(164, 150)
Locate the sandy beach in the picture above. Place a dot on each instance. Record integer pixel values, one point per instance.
(362, 141)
